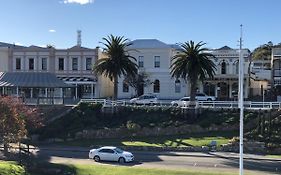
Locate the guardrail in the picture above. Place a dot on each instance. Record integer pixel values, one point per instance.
(200, 104)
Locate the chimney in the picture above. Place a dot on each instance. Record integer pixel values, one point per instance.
(79, 42)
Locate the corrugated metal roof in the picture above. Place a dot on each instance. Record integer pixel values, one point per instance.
(31, 79)
(148, 44)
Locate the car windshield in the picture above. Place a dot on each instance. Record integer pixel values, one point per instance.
(118, 150)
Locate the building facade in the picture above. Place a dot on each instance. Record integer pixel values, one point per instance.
(224, 85)
(72, 66)
(154, 60)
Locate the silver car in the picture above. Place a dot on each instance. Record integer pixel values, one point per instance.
(145, 99)
(111, 153)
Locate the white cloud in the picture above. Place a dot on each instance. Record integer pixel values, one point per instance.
(52, 30)
(82, 2)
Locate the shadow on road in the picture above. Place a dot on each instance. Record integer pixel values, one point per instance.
(263, 165)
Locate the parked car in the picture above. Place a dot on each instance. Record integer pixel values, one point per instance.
(145, 99)
(204, 97)
(181, 102)
(199, 97)
(111, 153)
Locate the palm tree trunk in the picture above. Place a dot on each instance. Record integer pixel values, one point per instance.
(115, 88)
(192, 102)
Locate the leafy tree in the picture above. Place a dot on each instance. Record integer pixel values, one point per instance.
(117, 61)
(16, 120)
(193, 64)
(138, 82)
(263, 52)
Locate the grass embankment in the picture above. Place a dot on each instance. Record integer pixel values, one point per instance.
(202, 139)
(110, 170)
(11, 168)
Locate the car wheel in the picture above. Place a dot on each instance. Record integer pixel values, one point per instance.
(209, 99)
(175, 104)
(97, 158)
(121, 160)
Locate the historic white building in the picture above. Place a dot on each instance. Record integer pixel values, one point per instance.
(154, 59)
(40, 67)
(224, 85)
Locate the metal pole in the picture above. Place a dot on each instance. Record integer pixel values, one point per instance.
(241, 102)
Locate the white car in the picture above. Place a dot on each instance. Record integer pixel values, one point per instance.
(145, 99)
(111, 153)
(204, 97)
(181, 102)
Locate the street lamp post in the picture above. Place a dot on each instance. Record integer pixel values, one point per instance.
(241, 102)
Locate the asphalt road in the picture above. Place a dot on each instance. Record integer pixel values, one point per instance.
(213, 161)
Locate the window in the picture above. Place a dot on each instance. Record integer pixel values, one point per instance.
(88, 63)
(18, 64)
(156, 61)
(44, 64)
(74, 63)
(61, 63)
(237, 68)
(177, 86)
(140, 61)
(125, 87)
(31, 64)
(156, 87)
(223, 68)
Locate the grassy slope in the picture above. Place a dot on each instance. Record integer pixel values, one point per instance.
(160, 141)
(11, 168)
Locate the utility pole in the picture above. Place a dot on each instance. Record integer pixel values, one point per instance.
(241, 102)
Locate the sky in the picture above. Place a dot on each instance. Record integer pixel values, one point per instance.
(215, 22)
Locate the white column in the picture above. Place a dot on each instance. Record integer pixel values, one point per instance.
(76, 92)
(17, 91)
(31, 93)
(92, 91)
(230, 90)
(46, 92)
(61, 92)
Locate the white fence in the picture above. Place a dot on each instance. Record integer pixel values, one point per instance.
(200, 104)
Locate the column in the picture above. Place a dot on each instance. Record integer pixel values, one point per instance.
(17, 92)
(92, 91)
(31, 92)
(76, 92)
(230, 90)
(46, 92)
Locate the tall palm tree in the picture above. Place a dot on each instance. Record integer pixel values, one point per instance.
(193, 64)
(117, 60)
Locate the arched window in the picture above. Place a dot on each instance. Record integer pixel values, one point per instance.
(237, 67)
(223, 68)
(125, 87)
(156, 87)
(177, 86)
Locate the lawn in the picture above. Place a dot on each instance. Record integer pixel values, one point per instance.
(11, 168)
(8, 168)
(111, 170)
(158, 141)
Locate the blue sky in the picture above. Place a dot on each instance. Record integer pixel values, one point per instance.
(216, 22)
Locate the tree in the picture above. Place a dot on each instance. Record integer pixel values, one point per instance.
(117, 61)
(263, 52)
(138, 82)
(193, 64)
(16, 120)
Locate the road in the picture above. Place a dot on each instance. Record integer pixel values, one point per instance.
(213, 161)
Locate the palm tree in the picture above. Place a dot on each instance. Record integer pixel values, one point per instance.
(193, 64)
(117, 60)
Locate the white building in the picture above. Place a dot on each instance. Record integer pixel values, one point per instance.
(224, 85)
(154, 59)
